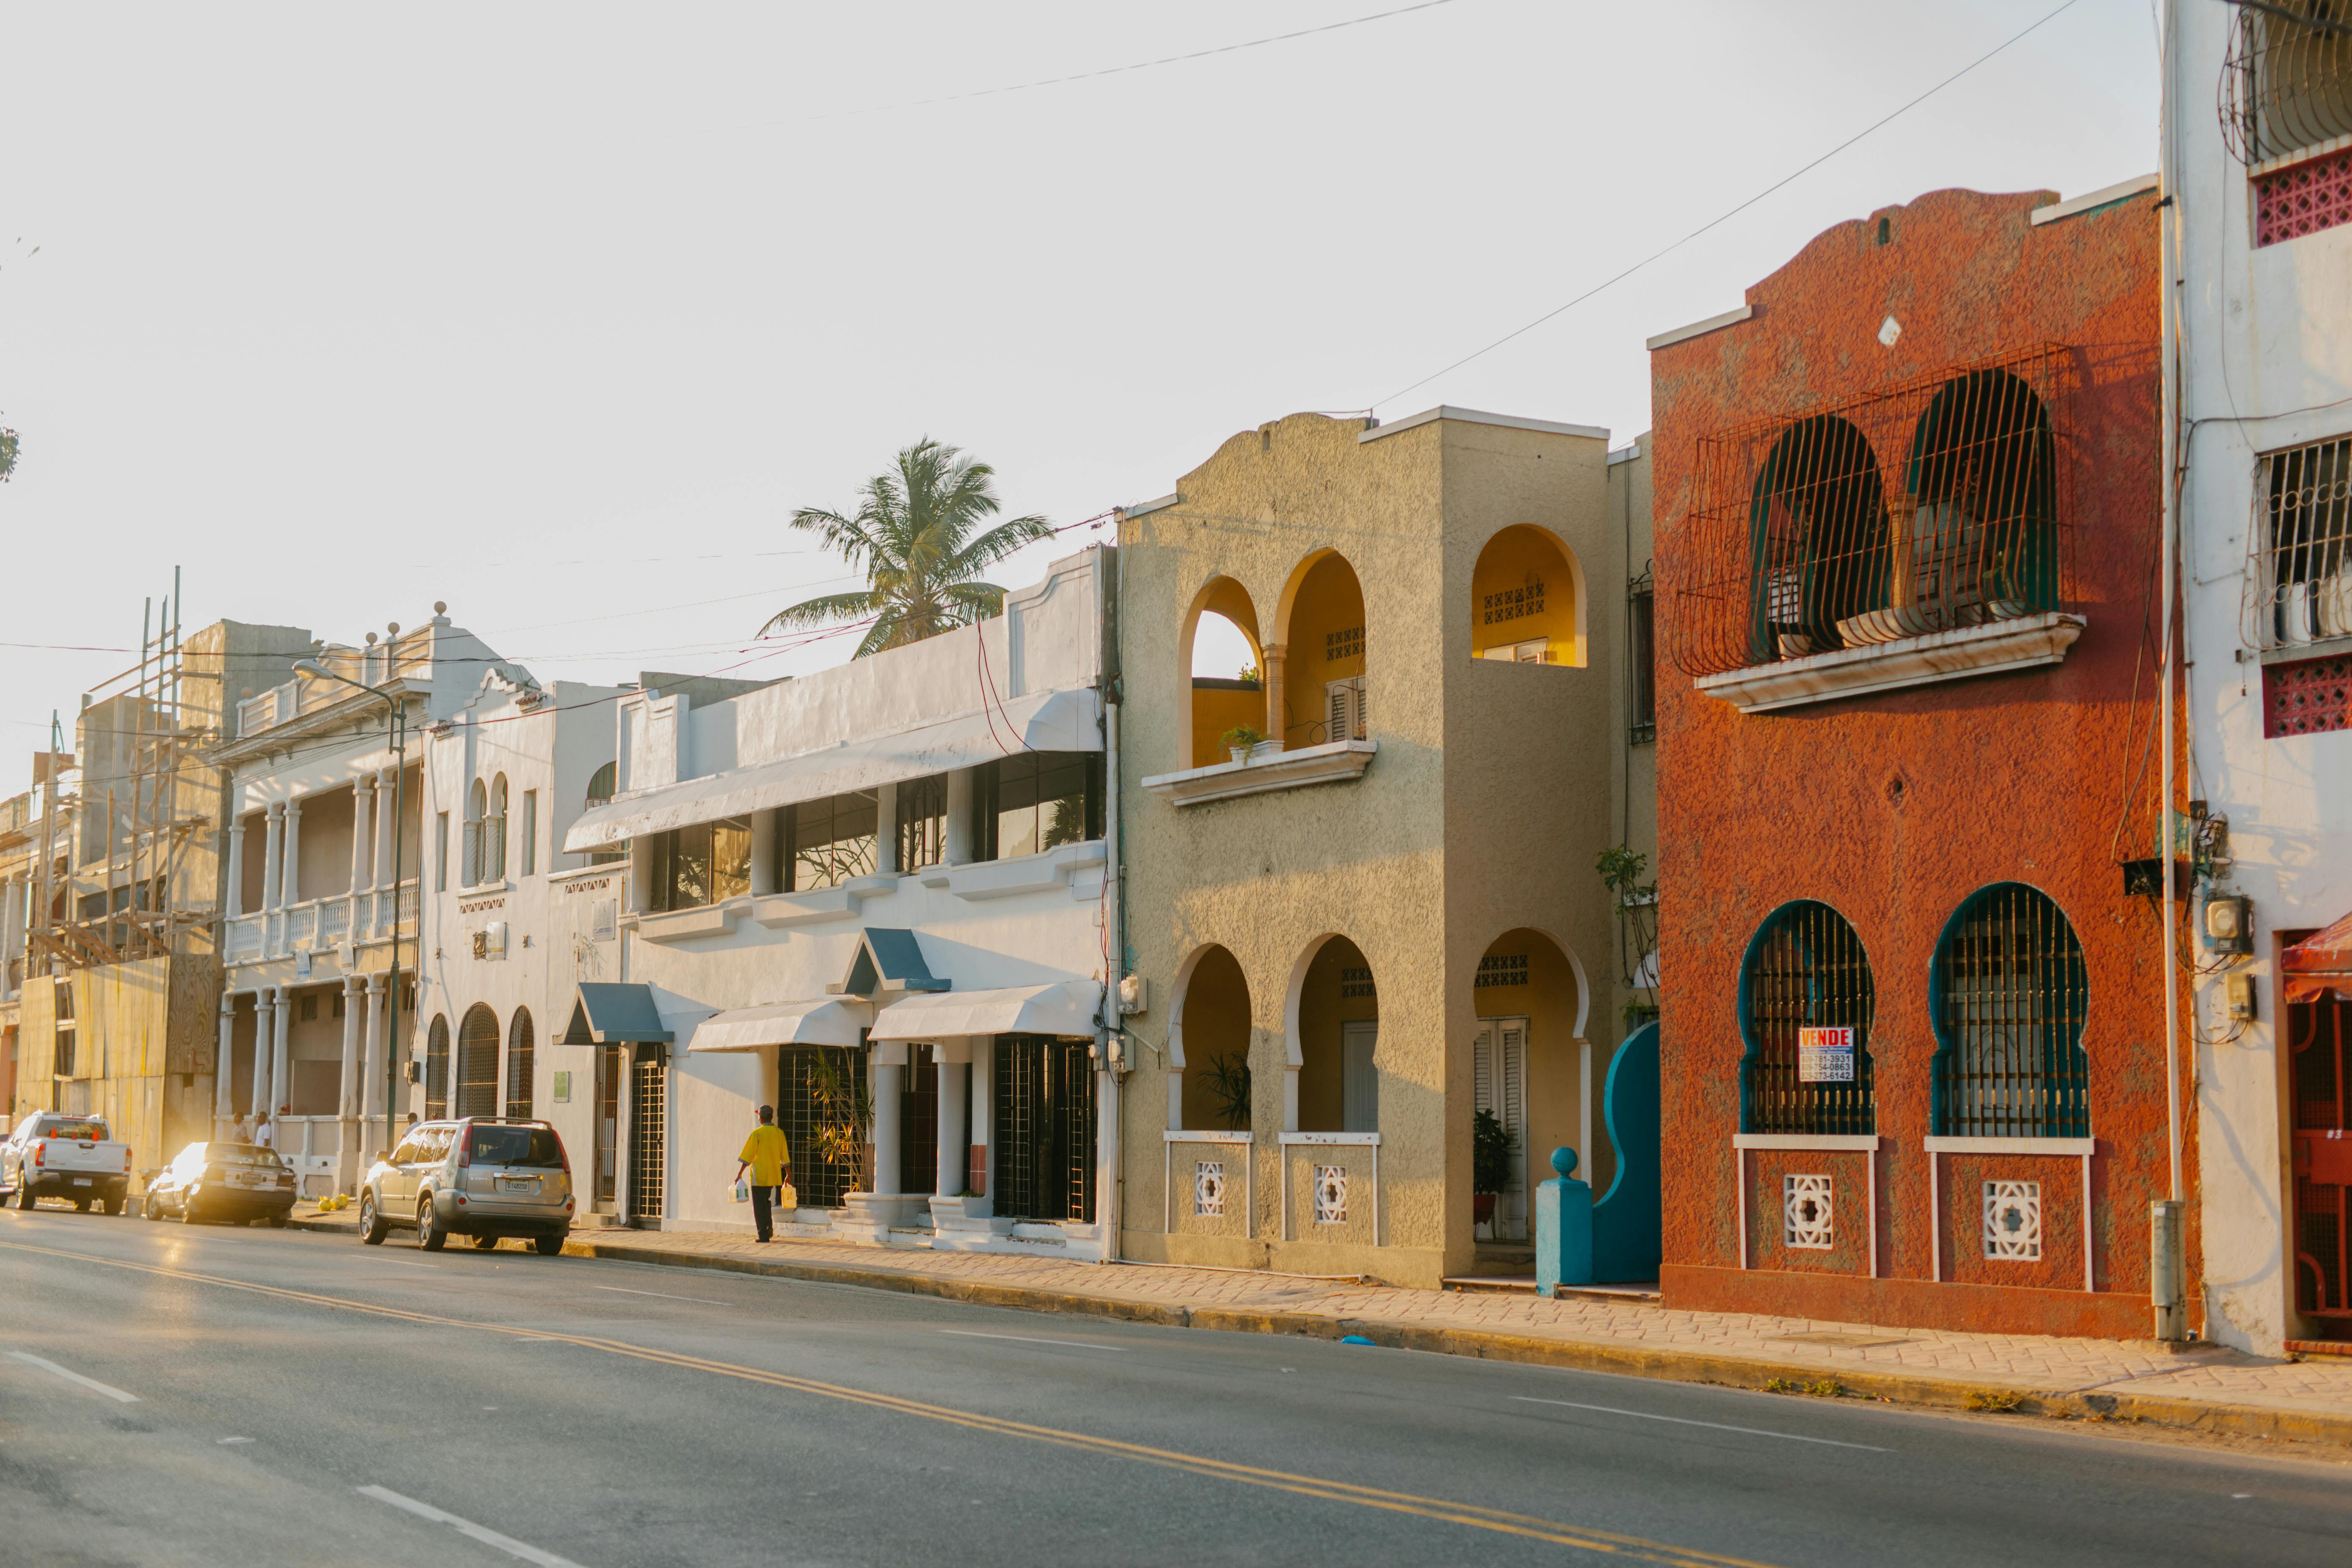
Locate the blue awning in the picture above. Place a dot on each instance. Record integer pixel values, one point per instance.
(605, 1014)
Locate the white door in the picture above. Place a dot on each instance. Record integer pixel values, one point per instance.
(1359, 1081)
(1499, 1084)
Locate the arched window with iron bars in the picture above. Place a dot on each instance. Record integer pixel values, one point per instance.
(2010, 993)
(437, 1067)
(1806, 971)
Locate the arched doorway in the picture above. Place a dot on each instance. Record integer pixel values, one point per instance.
(1222, 661)
(478, 1063)
(1531, 1079)
(1210, 1033)
(1322, 686)
(437, 1067)
(1527, 600)
(1338, 1028)
(518, 1063)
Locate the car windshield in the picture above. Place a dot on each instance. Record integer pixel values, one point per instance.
(240, 1154)
(80, 1132)
(517, 1146)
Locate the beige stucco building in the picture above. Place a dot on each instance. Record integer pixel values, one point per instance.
(1388, 910)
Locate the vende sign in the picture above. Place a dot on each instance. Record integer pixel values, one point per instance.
(1825, 1055)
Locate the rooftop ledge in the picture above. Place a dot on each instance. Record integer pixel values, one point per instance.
(1335, 762)
(2021, 644)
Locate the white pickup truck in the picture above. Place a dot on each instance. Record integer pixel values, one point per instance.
(54, 1155)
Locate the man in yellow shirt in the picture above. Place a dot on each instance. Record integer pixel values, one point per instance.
(769, 1157)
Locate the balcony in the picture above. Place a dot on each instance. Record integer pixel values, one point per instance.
(318, 924)
(1263, 772)
(409, 657)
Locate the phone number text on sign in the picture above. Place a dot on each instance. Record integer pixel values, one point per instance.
(1825, 1055)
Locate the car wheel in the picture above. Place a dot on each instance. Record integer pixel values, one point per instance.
(81, 1205)
(429, 1233)
(277, 1221)
(114, 1205)
(549, 1245)
(485, 1243)
(150, 1207)
(187, 1210)
(24, 1198)
(372, 1226)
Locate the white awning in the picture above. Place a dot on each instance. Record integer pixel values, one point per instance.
(1043, 721)
(829, 1021)
(1064, 1007)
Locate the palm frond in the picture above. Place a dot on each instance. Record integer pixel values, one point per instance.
(817, 612)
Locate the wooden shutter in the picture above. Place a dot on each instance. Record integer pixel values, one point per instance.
(1360, 1079)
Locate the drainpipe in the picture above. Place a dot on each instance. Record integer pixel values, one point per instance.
(1111, 1207)
(2167, 1267)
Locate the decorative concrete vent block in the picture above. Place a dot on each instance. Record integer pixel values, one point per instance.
(1805, 1212)
(1209, 1188)
(1330, 1194)
(2012, 1220)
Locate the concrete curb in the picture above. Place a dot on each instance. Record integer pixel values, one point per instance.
(1923, 1390)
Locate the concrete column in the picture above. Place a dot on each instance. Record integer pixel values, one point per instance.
(1277, 698)
(887, 1082)
(362, 793)
(273, 849)
(12, 902)
(960, 817)
(347, 1096)
(223, 1068)
(386, 791)
(764, 826)
(641, 874)
(373, 1057)
(955, 1153)
(265, 1007)
(982, 1130)
(235, 868)
(279, 1085)
(290, 857)
(885, 834)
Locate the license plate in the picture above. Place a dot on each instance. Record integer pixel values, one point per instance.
(518, 1184)
(81, 1181)
(236, 1180)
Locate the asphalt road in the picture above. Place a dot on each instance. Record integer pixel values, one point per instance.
(207, 1395)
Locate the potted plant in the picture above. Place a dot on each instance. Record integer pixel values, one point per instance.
(845, 1110)
(1490, 1164)
(1241, 740)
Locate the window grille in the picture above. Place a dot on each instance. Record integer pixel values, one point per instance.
(436, 1069)
(2307, 697)
(2303, 198)
(2286, 84)
(1805, 969)
(2009, 995)
(1356, 979)
(648, 1130)
(1808, 1213)
(918, 1121)
(1045, 1144)
(518, 1063)
(1924, 507)
(477, 1062)
(2299, 581)
(819, 1181)
(2012, 1221)
(1642, 656)
(1501, 969)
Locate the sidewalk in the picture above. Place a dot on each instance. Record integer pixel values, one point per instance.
(2203, 1387)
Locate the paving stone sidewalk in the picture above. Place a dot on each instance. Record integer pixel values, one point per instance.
(2312, 1396)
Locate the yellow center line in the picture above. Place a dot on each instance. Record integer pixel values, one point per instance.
(1474, 1515)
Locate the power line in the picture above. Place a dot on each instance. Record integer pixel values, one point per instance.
(1735, 212)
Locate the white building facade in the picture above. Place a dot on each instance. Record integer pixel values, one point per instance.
(879, 898)
(2260, 312)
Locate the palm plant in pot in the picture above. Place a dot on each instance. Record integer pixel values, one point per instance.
(1490, 1164)
(1241, 740)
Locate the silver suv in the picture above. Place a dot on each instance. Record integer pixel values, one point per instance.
(486, 1177)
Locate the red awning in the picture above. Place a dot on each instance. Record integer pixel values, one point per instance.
(2320, 964)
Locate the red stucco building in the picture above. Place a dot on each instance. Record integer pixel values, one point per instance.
(1907, 509)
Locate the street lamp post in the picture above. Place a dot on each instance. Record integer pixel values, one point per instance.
(396, 723)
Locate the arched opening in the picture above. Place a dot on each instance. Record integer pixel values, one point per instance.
(1211, 1029)
(601, 785)
(470, 856)
(437, 1067)
(1531, 1080)
(1977, 539)
(1806, 1005)
(1222, 693)
(1337, 1029)
(494, 833)
(518, 1063)
(1322, 685)
(2009, 995)
(478, 1063)
(1528, 592)
(1817, 537)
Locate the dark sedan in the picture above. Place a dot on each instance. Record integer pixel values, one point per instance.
(236, 1183)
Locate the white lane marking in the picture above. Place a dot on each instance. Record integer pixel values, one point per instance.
(225, 1441)
(1024, 1339)
(92, 1383)
(1714, 1426)
(483, 1533)
(396, 1263)
(665, 1295)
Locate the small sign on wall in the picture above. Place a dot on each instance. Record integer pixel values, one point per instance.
(1825, 1055)
(563, 1088)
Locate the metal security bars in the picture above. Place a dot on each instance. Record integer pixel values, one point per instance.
(1642, 659)
(1806, 971)
(648, 1138)
(2299, 581)
(2287, 84)
(1045, 1144)
(2319, 1038)
(819, 1181)
(519, 1066)
(2009, 994)
(1924, 507)
(437, 1067)
(477, 1062)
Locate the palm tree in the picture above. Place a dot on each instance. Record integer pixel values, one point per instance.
(913, 537)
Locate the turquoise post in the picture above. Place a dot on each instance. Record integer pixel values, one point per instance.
(1563, 1227)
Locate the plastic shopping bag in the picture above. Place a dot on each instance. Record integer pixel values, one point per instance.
(743, 1189)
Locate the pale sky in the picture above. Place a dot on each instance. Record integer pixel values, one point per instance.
(556, 312)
